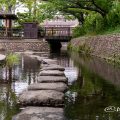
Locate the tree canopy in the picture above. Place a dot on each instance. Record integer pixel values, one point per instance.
(93, 15)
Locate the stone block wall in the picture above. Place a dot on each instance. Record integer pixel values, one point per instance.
(102, 45)
(23, 45)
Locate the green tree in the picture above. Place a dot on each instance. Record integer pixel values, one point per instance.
(8, 5)
(80, 8)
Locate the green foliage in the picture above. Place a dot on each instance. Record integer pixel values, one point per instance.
(93, 23)
(95, 16)
(84, 49)
(8, 5)
(78, 31)
(12, 59)
(113, 17)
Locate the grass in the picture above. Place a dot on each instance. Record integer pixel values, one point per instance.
(105, 31)
(113, 30)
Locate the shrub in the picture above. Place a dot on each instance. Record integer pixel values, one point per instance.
(94, 22)
(12, 59)
(78, 31)
(113, 17)
(84, 49)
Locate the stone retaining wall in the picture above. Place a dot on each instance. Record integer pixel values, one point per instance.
(102, 45)
(23, 45)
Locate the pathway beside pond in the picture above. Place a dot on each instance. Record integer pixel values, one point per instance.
(44, 100)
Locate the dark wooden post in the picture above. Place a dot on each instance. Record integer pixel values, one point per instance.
(69, 32)
(52, 31)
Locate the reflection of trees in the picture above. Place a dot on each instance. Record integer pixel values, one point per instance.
(7, 102)
(93, 94)
(31, 69)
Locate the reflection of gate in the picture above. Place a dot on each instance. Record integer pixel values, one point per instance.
(30, 30)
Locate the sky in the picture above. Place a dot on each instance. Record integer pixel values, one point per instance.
(21, 9)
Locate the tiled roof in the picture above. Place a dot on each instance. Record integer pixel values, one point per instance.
(71, 23)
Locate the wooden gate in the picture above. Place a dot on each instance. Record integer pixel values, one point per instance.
(30, 30)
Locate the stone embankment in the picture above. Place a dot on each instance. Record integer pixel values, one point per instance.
(44, 100)
(23, 45)
(104, 46)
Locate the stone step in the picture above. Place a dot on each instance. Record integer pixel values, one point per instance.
(2, 57)
(49, 61)
(52, 79)
(61, 87)
(42, 98)
(40, 113)
(53, 67)
(52, 73)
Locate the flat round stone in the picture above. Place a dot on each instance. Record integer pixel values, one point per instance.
(49, 61)
(53, 67)
(52, 79)
(42, 98)
(61, 87)
(40, 113)
(52, 73)
(2, 57)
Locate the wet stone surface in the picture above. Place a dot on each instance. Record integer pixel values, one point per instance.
(42, 98)
(61, 87)
(51, 79)
(53, 67)
(52, 73)
(40, 113)
(49, 61)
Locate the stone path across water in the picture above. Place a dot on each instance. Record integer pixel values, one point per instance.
(46, 96)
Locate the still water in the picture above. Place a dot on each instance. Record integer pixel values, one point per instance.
(94, 85)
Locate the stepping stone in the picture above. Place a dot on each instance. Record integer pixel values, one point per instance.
(49, 61)
(40, 113)
(28, 52)
(40, 58)
(53, 67)
(52, 79)
(61, 87)
(42, 98)
(2, 57)
(52, 73)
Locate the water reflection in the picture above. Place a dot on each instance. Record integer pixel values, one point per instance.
(95, 88)
(23, 74)
(63, 59)
(8, 105)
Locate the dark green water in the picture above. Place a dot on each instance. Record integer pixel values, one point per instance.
(93, 86)
(97, 87)
(23, 74)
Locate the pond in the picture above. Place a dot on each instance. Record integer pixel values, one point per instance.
(94, 85)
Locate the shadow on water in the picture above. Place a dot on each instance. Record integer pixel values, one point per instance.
(96, 88)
